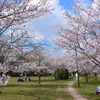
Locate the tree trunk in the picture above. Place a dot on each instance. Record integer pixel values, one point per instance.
(95, 76)
(39, 79)
(86, 78)
(78, 80)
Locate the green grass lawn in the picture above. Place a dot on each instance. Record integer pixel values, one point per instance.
(87, 90)
(50, 89)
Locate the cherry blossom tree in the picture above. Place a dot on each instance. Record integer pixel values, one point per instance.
(42, 63)
(17, 12)
(37, 61)
(89, 43)
(82, 31)
(17, 47)
(12, 14)
(90, 29)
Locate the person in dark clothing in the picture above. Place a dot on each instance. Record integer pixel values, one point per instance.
(29, 79)
(19, 80)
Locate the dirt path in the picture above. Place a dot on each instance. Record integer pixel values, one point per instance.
(73, 92)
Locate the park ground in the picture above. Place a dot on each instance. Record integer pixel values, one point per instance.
(50, 89)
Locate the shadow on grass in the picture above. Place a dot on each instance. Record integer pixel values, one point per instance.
(34, 86)
(43, 80)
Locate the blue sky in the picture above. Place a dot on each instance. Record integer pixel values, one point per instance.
(67, 4)
(44, 26)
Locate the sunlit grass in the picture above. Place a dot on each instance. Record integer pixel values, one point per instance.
(50, 89)
(87, 90)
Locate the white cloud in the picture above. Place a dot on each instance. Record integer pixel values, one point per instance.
(34, 1)
(44, 25)
(38, 36)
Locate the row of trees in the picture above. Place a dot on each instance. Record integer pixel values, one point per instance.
(81, 37)
(19, 51)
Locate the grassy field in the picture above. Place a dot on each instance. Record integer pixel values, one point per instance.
(50, 89)
(87, 90)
